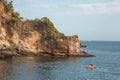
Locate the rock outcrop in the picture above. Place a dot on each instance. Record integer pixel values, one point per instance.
(33, 37)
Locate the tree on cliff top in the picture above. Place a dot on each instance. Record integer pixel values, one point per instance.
(8, 5)
(15, 16)
(51, 32)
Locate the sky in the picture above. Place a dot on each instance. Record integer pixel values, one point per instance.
(89, 19)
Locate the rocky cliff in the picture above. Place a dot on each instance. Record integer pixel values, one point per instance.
(33, 37)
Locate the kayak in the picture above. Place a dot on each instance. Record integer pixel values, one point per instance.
(91, 67)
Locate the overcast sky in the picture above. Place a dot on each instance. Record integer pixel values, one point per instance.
(90, 19)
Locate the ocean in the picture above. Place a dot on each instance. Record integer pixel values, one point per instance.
(107, 62)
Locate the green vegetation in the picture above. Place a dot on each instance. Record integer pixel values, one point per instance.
(75, 36)
(15, 15)
(15, 18)
(51, 32)
(8, 6)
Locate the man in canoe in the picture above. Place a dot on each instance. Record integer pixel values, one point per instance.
(91, 66)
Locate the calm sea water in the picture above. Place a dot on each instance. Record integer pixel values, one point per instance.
(107, 61)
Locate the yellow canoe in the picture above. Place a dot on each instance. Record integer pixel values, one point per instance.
(91, 67)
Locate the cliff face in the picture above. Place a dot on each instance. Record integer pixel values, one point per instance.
(33, 41)
(33, 37)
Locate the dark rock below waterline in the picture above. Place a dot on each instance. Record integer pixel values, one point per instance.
(83, 45)
(10, 53)
(85, 54)
(7, 54)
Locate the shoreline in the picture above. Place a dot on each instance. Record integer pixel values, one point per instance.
(10, 53)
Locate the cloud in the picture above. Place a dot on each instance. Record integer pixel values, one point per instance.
(73, 7)
(43, 4)
(97, 8)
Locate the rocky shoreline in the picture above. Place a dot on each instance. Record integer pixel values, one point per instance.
(10, 53)
(37, 37)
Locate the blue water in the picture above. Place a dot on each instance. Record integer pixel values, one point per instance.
(107, 61)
